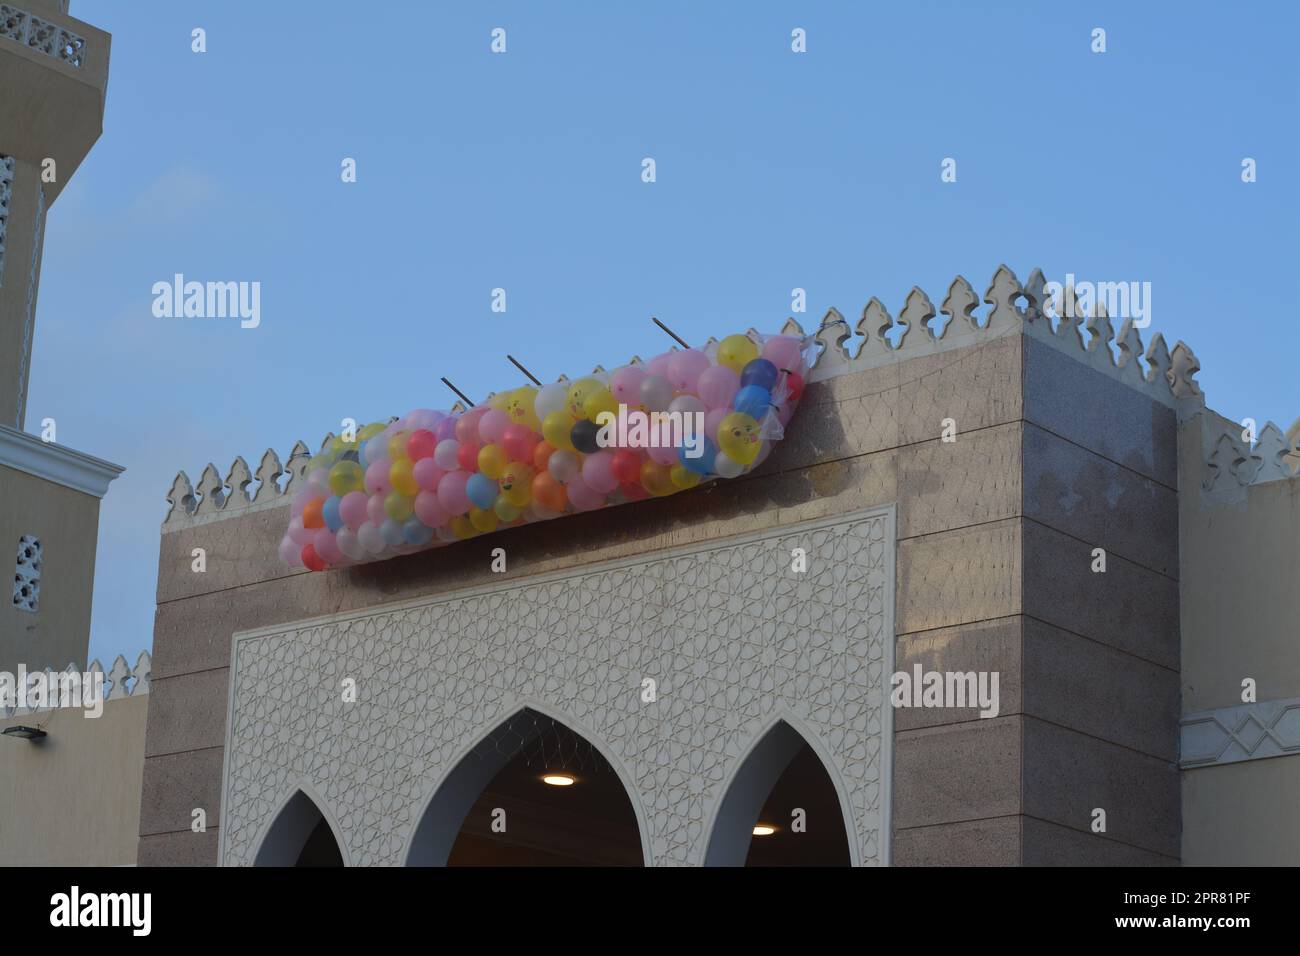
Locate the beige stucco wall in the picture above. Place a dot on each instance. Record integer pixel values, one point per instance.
(73, 798)
(67, 524)
(1240, 556)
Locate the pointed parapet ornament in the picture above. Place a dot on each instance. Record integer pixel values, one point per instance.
(1002, 293)
(238, 481)
(143, 674)
(180, 500)
(960, 303)
(792, 327)
(832, 335)
(915, 318)
(211, 492)
(268, 476)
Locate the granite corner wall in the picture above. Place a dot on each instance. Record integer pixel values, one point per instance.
(989, 530)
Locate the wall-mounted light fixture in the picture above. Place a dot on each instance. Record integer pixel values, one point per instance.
(25, 733)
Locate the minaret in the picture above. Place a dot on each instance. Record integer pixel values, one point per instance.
(54, 73)
(53, 76)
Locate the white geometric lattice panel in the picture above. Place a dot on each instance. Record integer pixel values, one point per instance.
(732, 636)
(27, 574)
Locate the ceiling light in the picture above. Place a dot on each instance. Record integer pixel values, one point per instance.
(764, 829)
(559, 779)
(24, 733)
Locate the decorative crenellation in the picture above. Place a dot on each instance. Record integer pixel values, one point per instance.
(41, 35)
(1233, 464)
(121, 680)
(877, 338)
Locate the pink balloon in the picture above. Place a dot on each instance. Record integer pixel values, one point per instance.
(444, 456)
(467, 424)
(783, 351)
(327, 547)
(377, 482)
(446, 428)
(717, 386)
(492, 426)
(423, 418)
(430, 510)
(300, 535)
(659, 364)
(684, 369)
(626, 384)
(451, 492)
(298, 503)
(290, 551)
(712, 420)
(426, 473)
(519, 442)
(352, 509)
(597, 474)
(375, 510)
(582, 496)
(662, 454)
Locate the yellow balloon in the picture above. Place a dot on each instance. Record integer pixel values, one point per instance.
(401, 475)
(600, 400)
(655, 478)
(578, 393)
(738, 437)
(398, 507)
(682, 477)
(483, 520)
(517, 484)
(346, 476)
(397, 445)
(368, 432)
(491, 459)
(338, 446)
(505, 510)
(735, 352)
(318, 461)
(520, 407)
(556, 430)
(499, 400)
(461, 527)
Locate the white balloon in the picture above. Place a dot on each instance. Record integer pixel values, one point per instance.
(444, 455)
(350, 544)
(563, 465)
(550, 398)
(727, 467)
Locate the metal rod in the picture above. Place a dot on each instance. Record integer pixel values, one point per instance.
(530, 375)
(463, 396)
(675, 336)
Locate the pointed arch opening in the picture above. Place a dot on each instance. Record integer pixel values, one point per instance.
(301, 835)
(782, 808)
(497, 807)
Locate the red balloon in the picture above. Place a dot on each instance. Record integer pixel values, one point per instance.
(519, 442)
(794, 382)
(467, 456)
(421, 444)
(634, 491)
(626, 467)
(310, 559)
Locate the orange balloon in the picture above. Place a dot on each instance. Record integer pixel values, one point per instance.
(311, 514)
(549, 491)
(542, 456)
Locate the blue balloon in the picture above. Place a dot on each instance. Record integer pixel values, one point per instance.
(416, 532)
(391, 532)
(330, 512)
(753, 400)
(703, 465)
(760, 372)
(481, 490)
(361, 451)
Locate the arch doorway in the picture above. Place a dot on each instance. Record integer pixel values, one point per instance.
(781, 809)
(533, 793)
(300, 836)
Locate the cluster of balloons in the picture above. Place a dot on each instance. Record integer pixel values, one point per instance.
(536, 453)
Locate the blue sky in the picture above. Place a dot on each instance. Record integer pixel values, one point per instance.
(522, 171)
